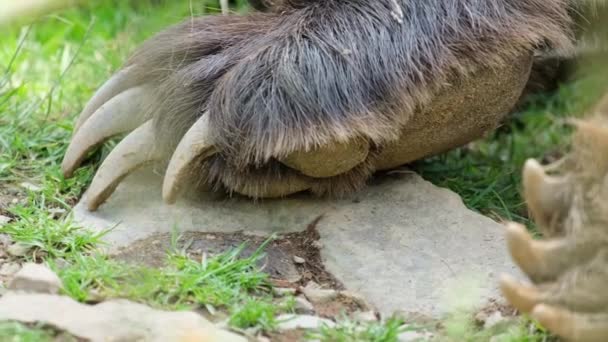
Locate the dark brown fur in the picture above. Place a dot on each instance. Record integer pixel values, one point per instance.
(312, 72)
(554, 67)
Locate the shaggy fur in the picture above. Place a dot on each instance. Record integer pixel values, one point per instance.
(311, 72)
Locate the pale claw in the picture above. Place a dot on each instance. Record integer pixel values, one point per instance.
(136, 150)
(548, 197)
(118, 83)
(194, 145)
(119, 115)
(523, 297)
(546, 260)
(572, 326)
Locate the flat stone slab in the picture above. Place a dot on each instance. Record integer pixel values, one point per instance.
(403, 243)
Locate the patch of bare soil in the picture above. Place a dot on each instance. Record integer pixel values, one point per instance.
(288, 336)
(491, 308)
(9, 196)
(341, 305)
(291, 260)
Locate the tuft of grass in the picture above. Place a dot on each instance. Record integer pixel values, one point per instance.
(48, 237)
(460, 327)
(348, 330)
(255, 312)
(223, 281)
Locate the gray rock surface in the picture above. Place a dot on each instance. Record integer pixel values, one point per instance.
(9, 268)
(117, 320)
(403, 243)
(4, 220)
(18, 249)
(36, 278)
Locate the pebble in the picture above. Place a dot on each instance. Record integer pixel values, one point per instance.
(9, 268)
(493, 320)
(31, 187)
(363, 304)
(365, 316)
(292, 322)
(36, 278)
(299, 260)
(414, 336)
(57, 212)
(303, 306)
(18, 249)
(285, 291)
(319, 296)
(4, 220)
(5, 240)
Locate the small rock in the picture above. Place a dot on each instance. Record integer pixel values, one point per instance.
(413, 336)
(319, 296)
(57, 212)
(18, 249)
(361, 302)
(303, 306)
(261, 338)
(5, 239)
(9, 268)
(61, 263)
(493, 320)
(285, 291)
(481, 317)
(30, 187)
(116, 320)
(299, 260)
(312, 285)
(4, 220)
(95, 296)
(292, 322)
(35, 278)
(365, 316)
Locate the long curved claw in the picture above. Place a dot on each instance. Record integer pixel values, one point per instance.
(547, 196)
(547, 260)
(523, 297)
(118, 83)
(195, 144)
(119, 115)
(136, 150)
(572, 326)
(522, 247)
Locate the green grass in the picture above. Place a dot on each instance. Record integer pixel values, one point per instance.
(47, 236)
(348, 330)
(49, 69)
(17, 332)
(255, 313)
(222, 282)
(460, 327)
